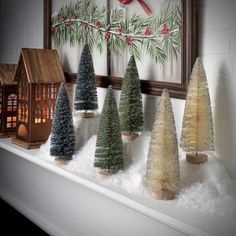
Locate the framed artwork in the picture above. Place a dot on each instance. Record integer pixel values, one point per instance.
(161, 34)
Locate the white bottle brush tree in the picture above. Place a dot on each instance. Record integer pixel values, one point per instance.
(86, 90)
(197, 129)
(162, 173)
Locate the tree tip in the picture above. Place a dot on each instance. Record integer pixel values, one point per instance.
(86, 48)
(132, 58)
(62, 85)
(165, 92)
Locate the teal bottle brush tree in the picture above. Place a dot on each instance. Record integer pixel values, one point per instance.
(162, 171)
(197, 130)
(131, 107)
(62, 134)
(109, 148)
(86, 90)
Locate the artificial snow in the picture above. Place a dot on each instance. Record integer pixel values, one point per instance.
(206, 187)
(84, 128)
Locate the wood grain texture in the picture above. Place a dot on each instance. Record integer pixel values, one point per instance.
(42, 65)
(7, 73)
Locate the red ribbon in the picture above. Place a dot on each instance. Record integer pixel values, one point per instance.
(145, 7)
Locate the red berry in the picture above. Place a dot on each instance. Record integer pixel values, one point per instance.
(120, 30)
(165, 31)
(148, 31)
(75, 17)
(107, 35)
(98, 24)
(70, 24)
(85, 26)
(63, 18)
(53, 29)
(129, 40)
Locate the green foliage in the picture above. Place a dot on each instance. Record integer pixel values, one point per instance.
(86, 90)
(62, 135)
(131, 109)
(109, 149)
(84, 22)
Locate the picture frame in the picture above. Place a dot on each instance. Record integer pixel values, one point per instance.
(188, 56)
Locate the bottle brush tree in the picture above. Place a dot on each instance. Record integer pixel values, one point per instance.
(197, 129)
(162, 171)
(131, 108)
(62, 135)
(109, 148)
(86, 90)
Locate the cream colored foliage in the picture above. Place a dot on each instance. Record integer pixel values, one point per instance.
(163, 162)
(197, 129)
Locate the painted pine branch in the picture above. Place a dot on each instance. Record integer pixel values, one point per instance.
(84, 22)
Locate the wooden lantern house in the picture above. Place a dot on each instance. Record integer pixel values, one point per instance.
(8, 100)
(39, 75)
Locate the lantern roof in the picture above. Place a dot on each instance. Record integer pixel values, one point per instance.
(41, 66)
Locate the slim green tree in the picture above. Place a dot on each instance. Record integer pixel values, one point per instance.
(197, 129)
(109, 148)
(162, 174)
(62, 135)
(86, 90)
(131, 108)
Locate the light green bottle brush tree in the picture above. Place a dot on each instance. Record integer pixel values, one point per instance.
(109, 148)
(162, 171)
(131, 107)
(197, 129)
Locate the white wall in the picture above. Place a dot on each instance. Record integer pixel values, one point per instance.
(218, 50)
(21, 26)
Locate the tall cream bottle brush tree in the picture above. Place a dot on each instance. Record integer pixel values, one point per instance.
(197, 129)
(162, 173)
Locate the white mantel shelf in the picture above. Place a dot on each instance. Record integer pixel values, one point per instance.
(66, 204)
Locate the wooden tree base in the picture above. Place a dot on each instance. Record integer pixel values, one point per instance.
(61, 162)
(196, 159)
(129, 137)
(103, 175)
(26, 144)
(163, 195)
(86, 114)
